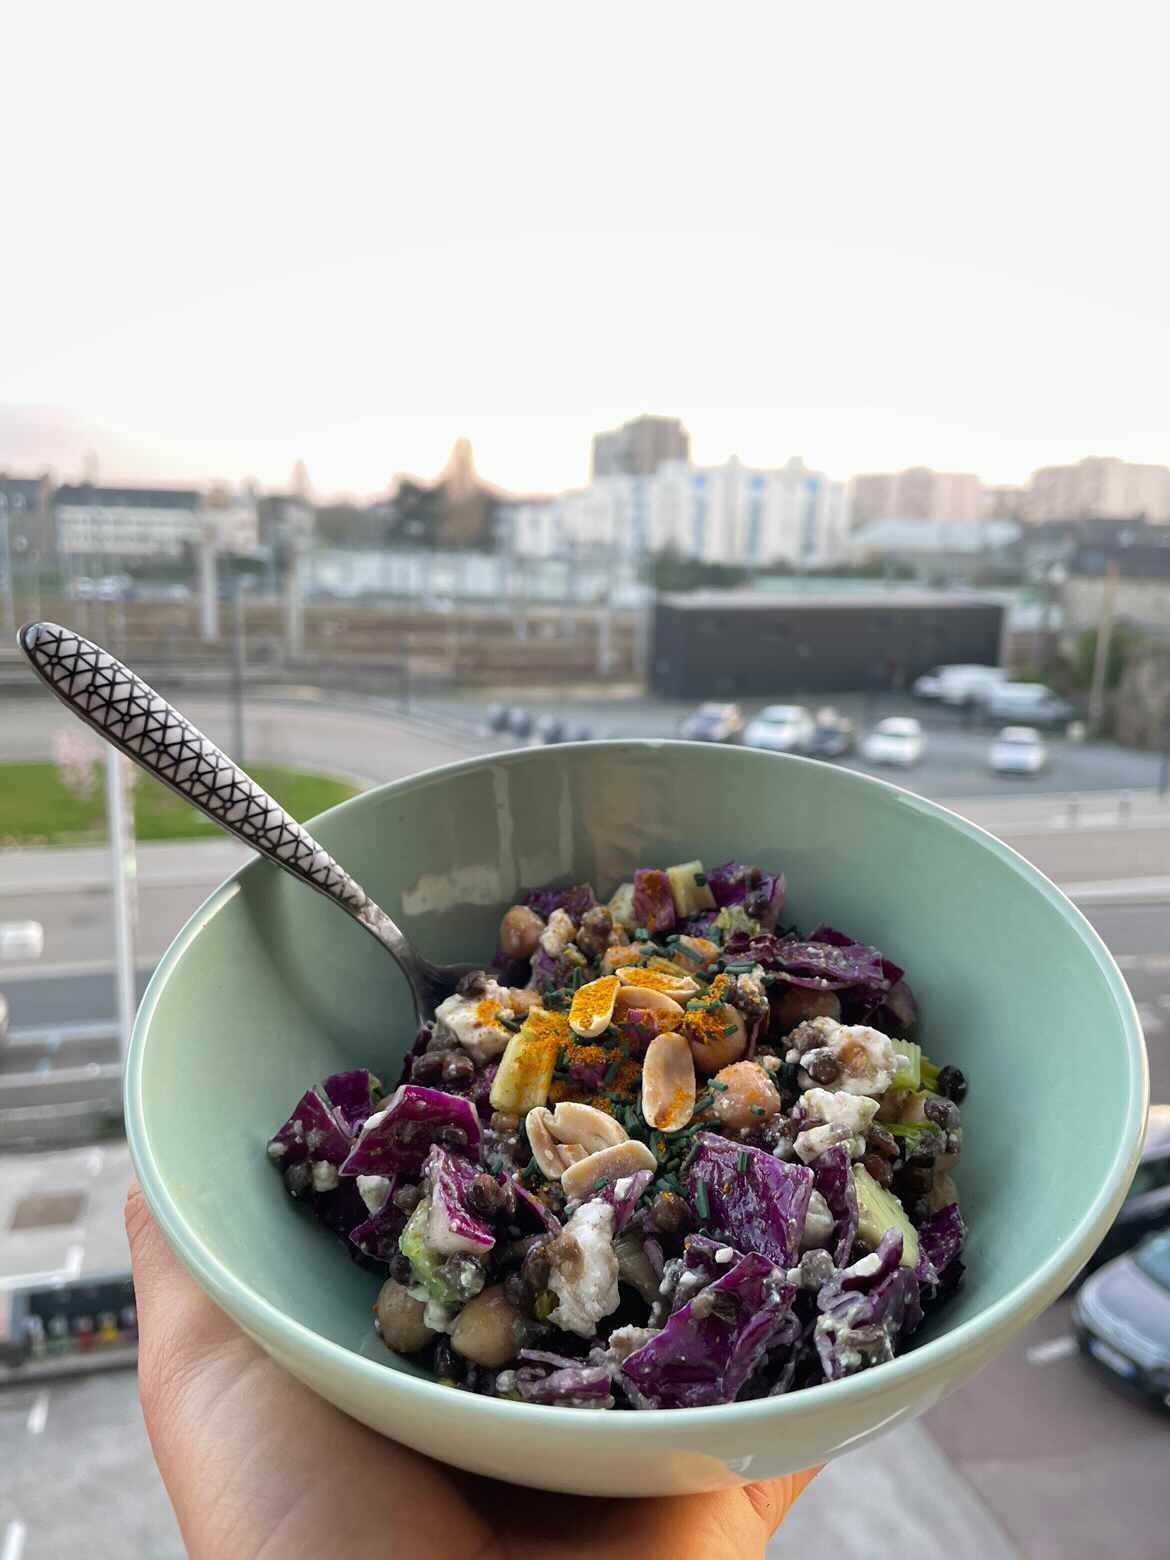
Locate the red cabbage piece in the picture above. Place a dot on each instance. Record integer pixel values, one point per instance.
(545, 972)
(451, 1226)
(940, 1240)
(397, 1139)
(833, 1178)
(377, 1235)
(890, 1007)
(573, 1385)
(530, 1211)
(480, 1093)
(866, 1311)
(700, 925)
(340, 1210)
(622, 1195)
(820, 966)
(709, 1348)
(760, 1207)
(653, 900)
(760, 893)
(574, 901)
(314, 1133)
(352, 1095)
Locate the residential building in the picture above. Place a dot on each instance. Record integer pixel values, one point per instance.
(917, 493)
(640, 447)
(1140, 557)
(1003, 501)
(26, 517)
(127, 524)
(1100, 486)
(717, 514)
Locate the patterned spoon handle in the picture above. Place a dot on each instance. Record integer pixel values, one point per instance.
(140, 723)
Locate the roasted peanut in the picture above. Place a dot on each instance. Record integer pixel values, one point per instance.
(668, 1083)
(609, 1164)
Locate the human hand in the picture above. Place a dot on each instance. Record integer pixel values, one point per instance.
(256, 1465)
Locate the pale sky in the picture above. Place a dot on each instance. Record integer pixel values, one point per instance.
(869, 235)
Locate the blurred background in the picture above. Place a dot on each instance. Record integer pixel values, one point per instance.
(388, 392)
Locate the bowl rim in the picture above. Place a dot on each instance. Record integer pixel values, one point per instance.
(268, 1322)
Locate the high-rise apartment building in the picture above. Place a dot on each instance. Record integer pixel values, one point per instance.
(718, 514)
(915, 494)
(638, 448)
(1100, 487)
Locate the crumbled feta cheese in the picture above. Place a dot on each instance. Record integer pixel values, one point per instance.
(474, 1021)
(558, 934)
(373, 1191)
(325, 1177)
(818, 1224)
(276, 1150)
(584, 1269)
(724, 1254)
(866, 1058)
(623, 1342)
(843, 1118)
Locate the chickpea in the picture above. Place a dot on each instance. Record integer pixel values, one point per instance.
(797, 1003)
(400, 1319)
(713, 1055)
(489, 1330)
(748, 1098)
(520, 932)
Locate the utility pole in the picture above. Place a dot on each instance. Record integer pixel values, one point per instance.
(238, 656)
(120, 827)
(208, 586)
(7, 609)
(1101, 653)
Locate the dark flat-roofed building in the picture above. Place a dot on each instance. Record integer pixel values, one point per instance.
(742, 643)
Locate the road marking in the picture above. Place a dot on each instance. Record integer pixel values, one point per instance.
(1142, 889)
(14, 1536)
(94, 1160)
(1055, 1349)
(1152, 1023)
(39, 1412)
(1144, 963)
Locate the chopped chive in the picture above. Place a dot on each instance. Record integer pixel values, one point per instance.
(600, 1183)
(720, 1088)
(702, 1206)
(691, 953)
(757, 1110)
(730, 1029)
(700, 880)
(513, 1024)
(741, 1160)
(641, 934)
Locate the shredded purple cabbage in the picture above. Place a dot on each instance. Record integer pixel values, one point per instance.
(574, 901)
(760, 1207)
(396, 1139)
(760, 893)
(833, 1178)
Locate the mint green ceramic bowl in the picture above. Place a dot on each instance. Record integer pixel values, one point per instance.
(269, 988)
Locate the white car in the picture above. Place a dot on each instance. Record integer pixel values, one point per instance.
(781, 728)
(896, 740)
(963, 685)
(1018, 750)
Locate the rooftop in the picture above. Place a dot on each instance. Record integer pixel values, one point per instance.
(821, 594)
(127, 497)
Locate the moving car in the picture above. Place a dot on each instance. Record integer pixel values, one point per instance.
(781, 728)
(832, 735)
(713, 723)
(1121, 1317)
(896, 740)
(959, 685)
(1018, 750)
(1032, 703)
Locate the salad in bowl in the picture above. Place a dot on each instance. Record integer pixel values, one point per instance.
(665, 1151)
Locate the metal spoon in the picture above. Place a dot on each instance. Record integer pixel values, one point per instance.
(128, 713)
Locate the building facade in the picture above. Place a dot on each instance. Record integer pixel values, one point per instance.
(640, 447)
(126, 524)
(718, 514)
(917, 493)
(1100, 486)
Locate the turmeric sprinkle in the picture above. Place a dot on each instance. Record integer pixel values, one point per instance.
(487, 1011)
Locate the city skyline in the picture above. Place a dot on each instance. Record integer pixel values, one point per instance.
(871, 268)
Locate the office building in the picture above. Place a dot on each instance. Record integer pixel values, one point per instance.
(1102, 487)
(126, 523)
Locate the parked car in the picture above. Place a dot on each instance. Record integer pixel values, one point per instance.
(1147, 1203)
(1121, 1317)
(550, 729)
(958, 685)
(580, 733)
(832, 735)
(781, 728)
(497, 717)
(1018, 750)
(1033, 704)
(896, 740)
(713, 723)
(519, 721)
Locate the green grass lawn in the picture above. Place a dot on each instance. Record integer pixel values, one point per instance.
(37, 808)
